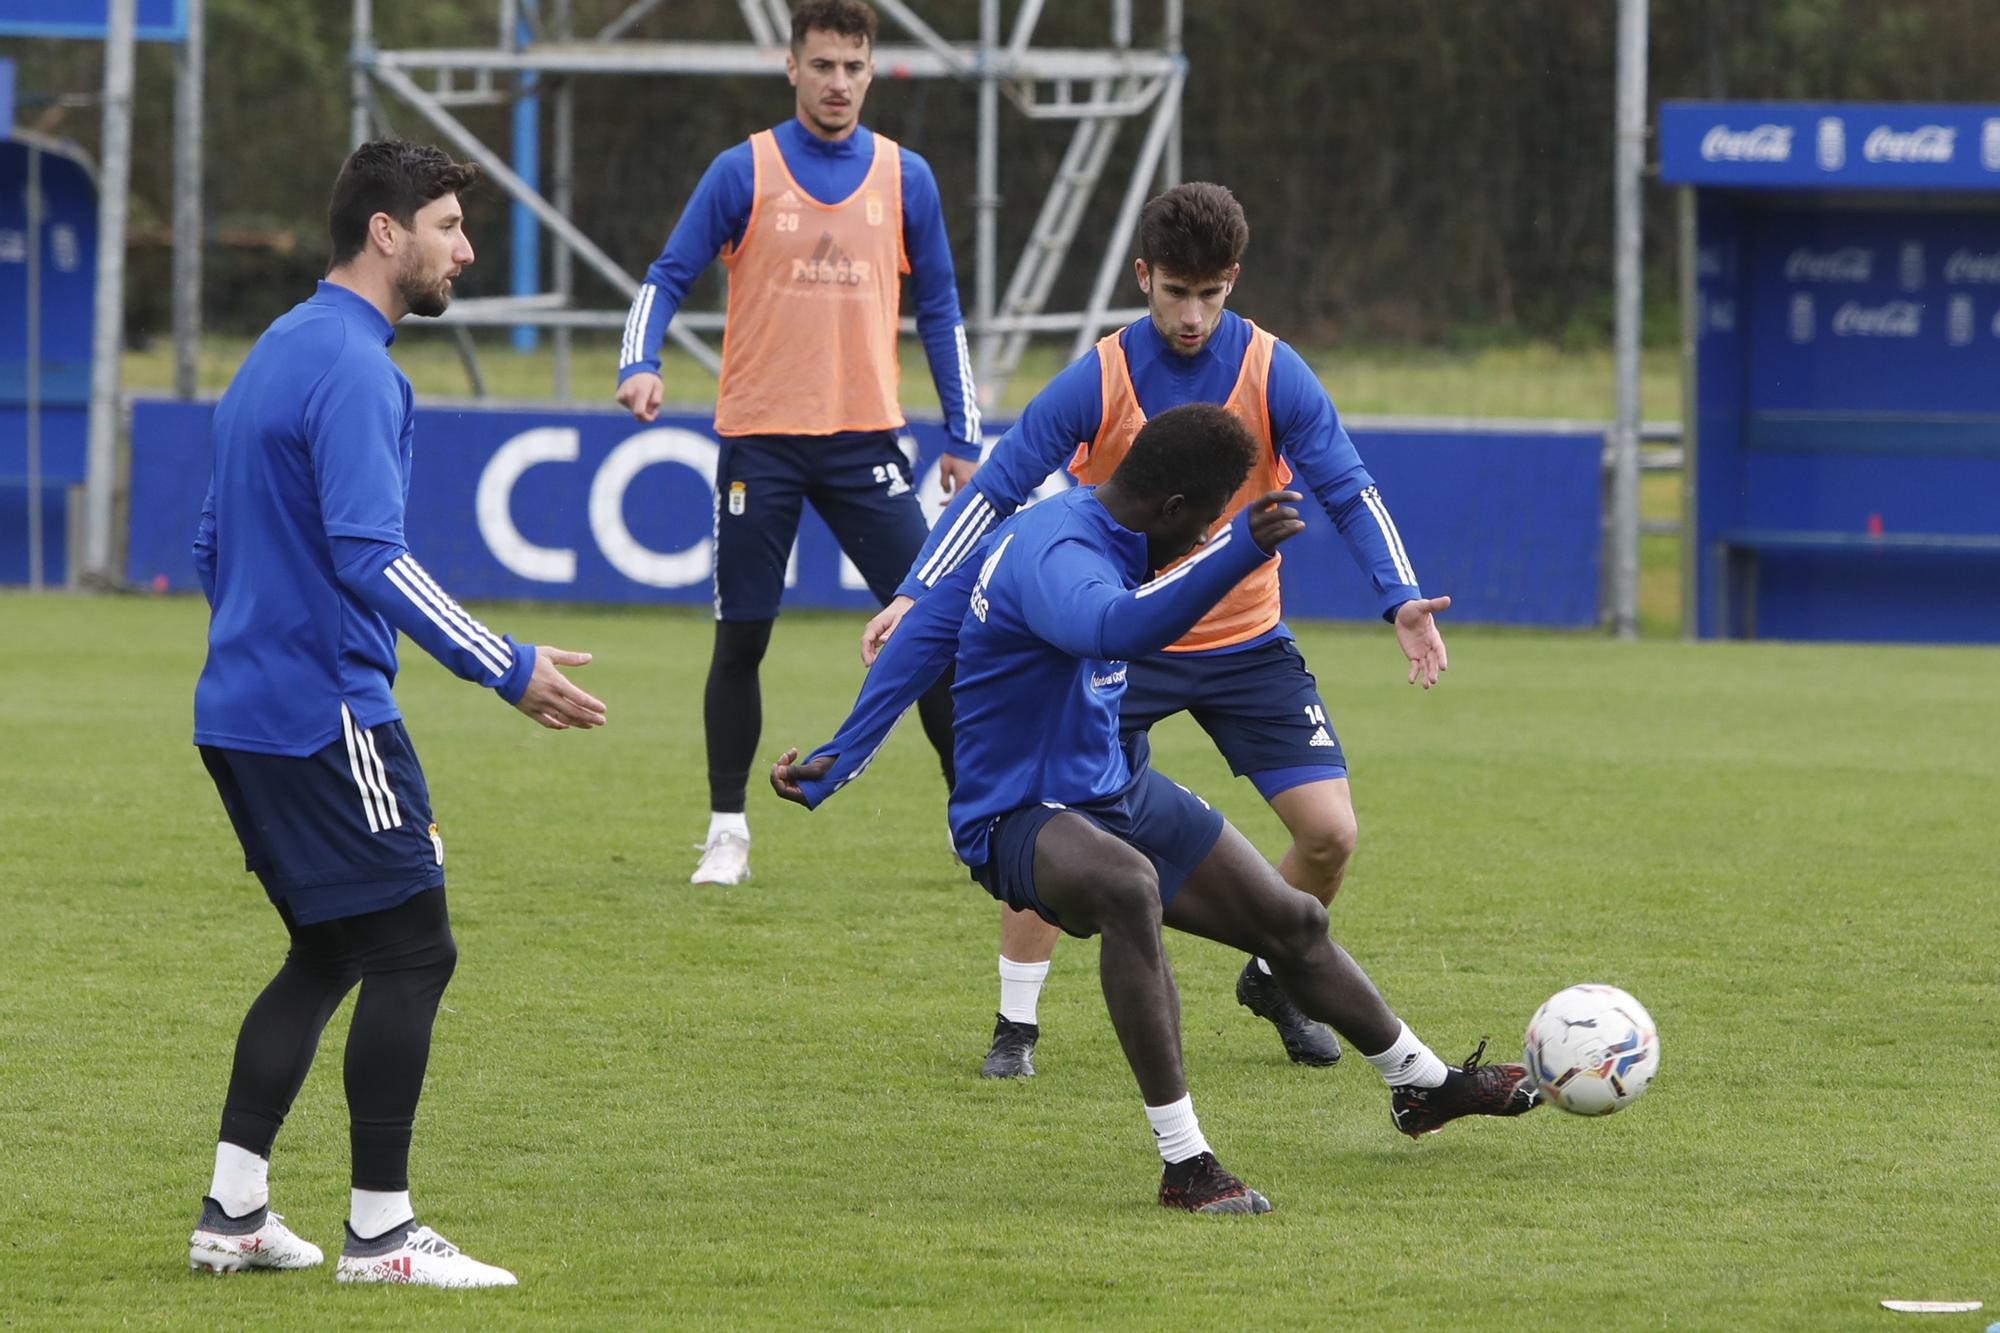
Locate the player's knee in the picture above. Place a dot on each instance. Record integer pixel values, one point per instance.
(1297, 928)
(1327, 844)
(740, 644)
(1128, 894)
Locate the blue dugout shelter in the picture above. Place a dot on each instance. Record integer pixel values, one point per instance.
(1841, 302)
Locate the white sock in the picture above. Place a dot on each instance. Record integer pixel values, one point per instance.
(241, 1183)
(718, 822)
(1408, 1063)
(1263, 967)
(1021, 988)
(1177, 1129)
(373, 1212)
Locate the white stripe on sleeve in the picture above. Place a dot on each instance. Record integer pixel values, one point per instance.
(966, 530)
(1404, 571)
(967, 393)
(455, 611)
(422, 604)
(1214, 544)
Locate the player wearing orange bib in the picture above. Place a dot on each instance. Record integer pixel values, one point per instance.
(1237, 673)
(816, 220)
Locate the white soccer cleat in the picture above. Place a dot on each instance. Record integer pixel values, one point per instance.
(218, 1245)
(419, 1257)
(724, 860)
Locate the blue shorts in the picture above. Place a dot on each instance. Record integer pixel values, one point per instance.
(1260, 706)
(860, 485)
(1170, 825)
(338, 833)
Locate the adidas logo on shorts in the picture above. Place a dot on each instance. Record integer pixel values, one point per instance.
(1319, 737)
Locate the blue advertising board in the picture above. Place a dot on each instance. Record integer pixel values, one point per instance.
(1845, 422)
(1830, 146)
(68, 277)
(555, 504)
(156, 20)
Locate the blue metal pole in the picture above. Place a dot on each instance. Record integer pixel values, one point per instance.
(527, 233)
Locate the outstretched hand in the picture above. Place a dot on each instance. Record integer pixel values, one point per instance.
(1417, 635)
(1273, 520)
(552, 700)
(786, 775)
(877, 631)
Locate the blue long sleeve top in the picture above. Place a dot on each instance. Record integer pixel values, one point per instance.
(1305, 427)
(300, 546)
(719, 210)
(1041, 622)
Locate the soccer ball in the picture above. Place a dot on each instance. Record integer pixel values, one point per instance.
(1592, 1049)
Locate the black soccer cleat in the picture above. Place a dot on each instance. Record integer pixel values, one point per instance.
(1200, 1185)
(1306, 1042)
(1013, 1053)
(1471, 1089)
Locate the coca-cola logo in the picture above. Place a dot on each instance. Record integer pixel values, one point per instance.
(1926, 143)
(1766, 143)
(1851, 264)
(1970, 266)
(1896, 319)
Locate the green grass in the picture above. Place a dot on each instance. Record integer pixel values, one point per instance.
(667, 1106)
(1507, 380)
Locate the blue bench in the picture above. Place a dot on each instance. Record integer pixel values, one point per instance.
(1736, 550)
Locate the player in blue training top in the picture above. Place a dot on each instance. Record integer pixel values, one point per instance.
(1238, 673)
(302, 555)
(1058, 813)
(816, 220)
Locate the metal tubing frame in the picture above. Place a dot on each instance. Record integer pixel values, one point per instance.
(1628, 238)
(1128, 214)
(33, 387)
(495, 167)
(113, 200)
(189, 60)
(1145, 81)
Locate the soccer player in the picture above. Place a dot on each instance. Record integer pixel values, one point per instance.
(1237, 671)
(302, 556)
(1058, 813)
(816, 220)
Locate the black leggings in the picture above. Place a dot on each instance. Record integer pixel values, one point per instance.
(733, 712)
(403, 957)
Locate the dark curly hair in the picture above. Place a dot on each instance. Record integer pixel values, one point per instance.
(1195, 230)
(1199, 450)
(388, 176)
(848, 18)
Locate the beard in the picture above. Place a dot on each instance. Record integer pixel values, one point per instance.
(422, 297)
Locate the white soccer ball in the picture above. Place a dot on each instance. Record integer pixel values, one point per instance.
(1592, 1049)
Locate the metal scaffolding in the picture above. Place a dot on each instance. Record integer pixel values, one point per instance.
(1098, 89)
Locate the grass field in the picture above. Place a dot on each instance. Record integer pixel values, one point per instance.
(667, 1106)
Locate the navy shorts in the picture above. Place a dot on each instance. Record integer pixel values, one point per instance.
(338, 833)
(1174, 828)
(1260, 706)
(861, 486)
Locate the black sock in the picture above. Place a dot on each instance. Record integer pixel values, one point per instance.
(733, 710)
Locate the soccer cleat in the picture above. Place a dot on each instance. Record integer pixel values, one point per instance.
(1471, 1089)
(725, 859)
(417, 1256)
(225, 1244)
(1200, 1185)
(1013, 1053)
(1307, 1042)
